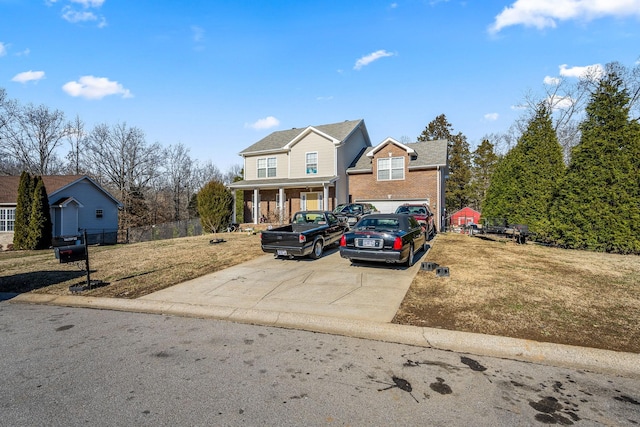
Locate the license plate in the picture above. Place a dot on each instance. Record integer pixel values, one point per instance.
(368, 243)
(281, 252)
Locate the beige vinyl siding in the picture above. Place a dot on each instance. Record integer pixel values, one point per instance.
(251, 166)
(312, 143)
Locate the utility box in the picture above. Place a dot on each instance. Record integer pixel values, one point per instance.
(72, 253)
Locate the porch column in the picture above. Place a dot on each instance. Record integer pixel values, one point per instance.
(325, 197)
(234, 214)
(256, 205)
(281, 204)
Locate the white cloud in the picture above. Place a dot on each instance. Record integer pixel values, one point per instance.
(74, 16)
(88, 3)
(266, 123)
(28, 76)
(198, 33)
(324, 98)
(393, 5)
(368, 59)
(91, 87)
(551, 81)
(492, 117)
(595, 70)
(545, 13)
(3, 49)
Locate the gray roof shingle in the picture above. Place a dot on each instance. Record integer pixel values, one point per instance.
(429, 154)
(279, 139)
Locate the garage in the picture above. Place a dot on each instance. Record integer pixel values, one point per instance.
(390, 206)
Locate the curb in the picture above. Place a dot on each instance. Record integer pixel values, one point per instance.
(565, 356)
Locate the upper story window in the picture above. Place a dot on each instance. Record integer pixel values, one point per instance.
(390, 168)
(267, 167)
(99, 213)
(7, 219)
(312, 163)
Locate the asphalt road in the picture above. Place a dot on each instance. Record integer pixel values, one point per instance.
(71, 366)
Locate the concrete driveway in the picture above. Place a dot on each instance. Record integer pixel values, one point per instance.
(330, 286)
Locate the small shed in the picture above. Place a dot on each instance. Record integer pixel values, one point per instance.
(465, 216)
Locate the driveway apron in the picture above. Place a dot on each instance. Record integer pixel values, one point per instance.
(330, 286)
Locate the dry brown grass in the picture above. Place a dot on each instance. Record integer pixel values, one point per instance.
(528, 291)
(131, 270)
(495, 287)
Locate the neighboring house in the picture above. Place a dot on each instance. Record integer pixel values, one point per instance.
(77, 203)
(393, 173)
(465, 216)
(300, 169)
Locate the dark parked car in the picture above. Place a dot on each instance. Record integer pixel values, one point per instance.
(390, 238)
(352, 212)
(422, 214)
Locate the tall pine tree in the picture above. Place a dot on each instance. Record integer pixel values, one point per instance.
(40, 221)
(457, 186)
(484, 161)
(525, 181)
(598, 203)
(23, 211)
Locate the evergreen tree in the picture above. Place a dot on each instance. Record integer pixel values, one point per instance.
(439, 128)
(525, 181)
(484, 161)
(458, 186)
(215, 206)
(23, 211)
(40, 221)
(598, 203)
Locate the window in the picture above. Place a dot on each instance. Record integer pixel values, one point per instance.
(312, 163)
(267, 167)
(98, 213)
(390, 168)
(7, 218)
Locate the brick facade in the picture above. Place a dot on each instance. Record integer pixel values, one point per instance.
(417, 184)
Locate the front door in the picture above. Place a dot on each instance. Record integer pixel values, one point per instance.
(311, 201)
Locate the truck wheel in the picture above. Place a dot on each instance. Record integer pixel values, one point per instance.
(410, 260)
(317, 249)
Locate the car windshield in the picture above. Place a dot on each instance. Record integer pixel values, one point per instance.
(414, 210)
(379, 224)
(339, 208)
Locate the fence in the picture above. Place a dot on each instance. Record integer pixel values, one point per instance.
(94, 237)
(170, 230)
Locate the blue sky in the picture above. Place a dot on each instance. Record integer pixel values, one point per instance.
(218, 76)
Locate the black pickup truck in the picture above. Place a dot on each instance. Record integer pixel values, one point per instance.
(307, 235)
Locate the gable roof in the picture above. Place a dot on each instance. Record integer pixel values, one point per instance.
(282, 140)
(53, 183)
(423, 155)
(9, 185)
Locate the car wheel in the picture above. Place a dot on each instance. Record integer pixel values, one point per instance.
(317, 249)
(410, 260)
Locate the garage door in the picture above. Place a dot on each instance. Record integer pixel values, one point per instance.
(390, 206)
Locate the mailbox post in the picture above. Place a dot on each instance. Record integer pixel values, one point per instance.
(76, 253)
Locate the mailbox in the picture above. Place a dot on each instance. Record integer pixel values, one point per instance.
(71, 253)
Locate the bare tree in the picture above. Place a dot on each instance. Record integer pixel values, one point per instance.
(77, 138)
(123, 161)
(31, 135)
(179, 172)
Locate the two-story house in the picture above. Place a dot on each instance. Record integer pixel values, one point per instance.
(300, 169)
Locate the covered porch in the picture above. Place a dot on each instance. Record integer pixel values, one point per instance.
(275, 200)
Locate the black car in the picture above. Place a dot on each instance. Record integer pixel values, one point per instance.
(390, 238)
(352, 212)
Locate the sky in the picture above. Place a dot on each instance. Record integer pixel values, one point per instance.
(218, 76)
